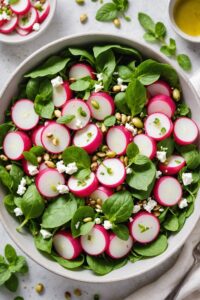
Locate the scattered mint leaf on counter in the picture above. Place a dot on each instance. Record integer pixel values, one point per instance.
(112, 10)
(184, 62)
(169, 50)
(18, 298)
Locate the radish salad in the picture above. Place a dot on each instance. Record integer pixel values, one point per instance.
(99, 157)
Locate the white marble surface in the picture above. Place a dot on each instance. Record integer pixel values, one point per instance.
(66, 22)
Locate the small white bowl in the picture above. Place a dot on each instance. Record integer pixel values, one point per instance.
(14, 38)
(190, 38)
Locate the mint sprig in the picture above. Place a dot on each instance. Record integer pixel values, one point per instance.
(112, 10)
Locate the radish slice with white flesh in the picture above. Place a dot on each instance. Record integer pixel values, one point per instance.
(43, 12)
(61, 94)
(159, 87)
(79, 110)
(15, 143)
(146, 145)
(9, 26)
(47, 180)
(185, 131)
(158, 126)
(26, 165)
(101, 105)
(55, 137)
(42, 166)
(162, 104)
(96, 241)
(21, 7)
(81, 70)
(88, 138)
(27, 21)
(22, 32)
(84, 187)
(173, 165)
(118, 138)
(102, 193)
(66, 245)
(36, 135)
(23, 114)
(144, 228)
(111, 173)
(167, 191)
(118, 248)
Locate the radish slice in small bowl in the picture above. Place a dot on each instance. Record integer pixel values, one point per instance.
(173, 165)
(21, 7)
(158, 126)
(88, 138)
(118, 248)
(111, 173)
(36, 135)
(66, 246)
(83, 188)
(96, 241)
(79, 110)
(118, 138)
(101, 105)
(9, 26)
(167, 191)
(23, 114)
(146, 145)
(144, 228)
(26, 22)
(22, 32)
(102, 193)
(61, 94)
(162, 104)
(159, 87)
(44, 12)
(185, 131)
(81, 70)
(15, 143)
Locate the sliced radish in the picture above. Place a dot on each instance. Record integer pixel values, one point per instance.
(47, 180)
(79, 110)
(167, 191)
(159, 87)
(162, 104)
(15, 143)
(26, 167)
(44, 11)
(21, 7)
(158, 126)
(96, 241)
(88, 138)
(118, 248)
(22, 32)
(111, 173)
(102, 193)
(27, 21)
(67, 246)
(55, 137)
(61, 94)
(83, 188)
(23, 114)
(185, 131)
(81, 70)
(9, 26)
(118, 138)
(36, 135)
(173, 165)
(101, 105)
(144, 228)
(146, 145)
(42, 166)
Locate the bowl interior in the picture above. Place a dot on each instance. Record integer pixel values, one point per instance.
(25, 241)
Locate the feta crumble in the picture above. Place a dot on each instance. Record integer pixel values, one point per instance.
(150, 205)
(98, 87)
(79, 124)
(183, 203)
(131, 128)
(18, 212)
(33, 170)
(77, 225)
(129, 171)
(130, 219)
(22, 187)
(158, 174)
(71, 168)
(187, 178)
(62, 189)
(123, 87)
(45, 234)
(98, 210)
(60, 166)
(57, 81)
(97, 221)
(107, 224)
(136, 209)
(36, 27)
(100, 76)
(161, 156)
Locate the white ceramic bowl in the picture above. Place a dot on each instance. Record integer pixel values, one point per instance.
(25, 241)
(14, 38)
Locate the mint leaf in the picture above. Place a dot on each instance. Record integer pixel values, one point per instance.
(107, 12)
(65, 119)
(184, 62)
(146, 22)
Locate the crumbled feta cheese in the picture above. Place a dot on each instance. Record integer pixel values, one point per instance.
(136, 209)
(130, 219)
(45, 234)
(187, 178)
(77, 225)
(22, 187)
(131, 128)
(71, 168)
(97, 221)
(183, 203)
(98, 210)
(107, 224)
(120, 83)
(161, 156)
(18, 212)
(161, 209)
(36, 27)
(60, 166)
(129, 171)
(98, 87)
(150, 205)
(100, 76)
(57, 81)
(33, 170)
(79, 124)
(158, 174)
(62, 189)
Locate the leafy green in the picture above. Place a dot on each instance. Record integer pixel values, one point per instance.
(106, 64)
(6, 178)
(80, 85)
(136, 96)
(107, 12)
(191, 155)
(30, 157)
(42, 244)
(184, 62)
(169, 50)
(109, 121)
(103, 265)
(4, 128)
(43, 102)
(121, 231)
(78, 227)
(82, 53)
(68, 264)
(147, 79)
(166, 145)
(146, 22)
(155, 248)
(9, 203)
(32, 88)
(12, 283)
(171, 223)
(77, 155)
(65, 119)
(120, 102)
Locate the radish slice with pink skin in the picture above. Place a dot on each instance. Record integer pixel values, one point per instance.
(72, 107)
(46, 182)
(60, 133)
(162, 104)
(111, 173)
(102, 193)
(61, 94)
(185, 131)
(25, 165)
(167, 191)
(66, 245)
(85, 188)
(36, 135)
(21, 7)
(43, 14)
(81, 70)
(159, 87)
(43, 166)
(118, 248)
(144, 228)
(146, 145)
(118, 138)
(9, 26)
(22, 32)
(158, 126)
(27, 21)
(23, 114)
(88, 138)
(96, 241)
(15, 143)
(105, 105)
(173, 165)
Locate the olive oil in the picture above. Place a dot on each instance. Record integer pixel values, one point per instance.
(187, 16)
